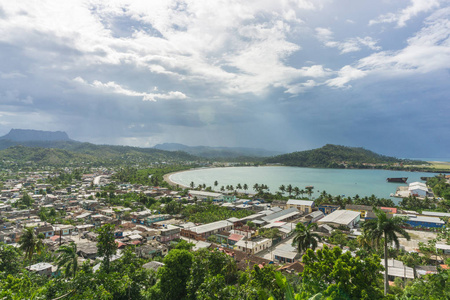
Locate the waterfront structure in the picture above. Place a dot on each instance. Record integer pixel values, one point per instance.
(418, 189)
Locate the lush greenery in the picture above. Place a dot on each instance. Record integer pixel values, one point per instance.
(334, 156)
(207, 213)
(86, 154)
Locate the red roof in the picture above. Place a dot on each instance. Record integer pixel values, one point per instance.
(54, 238)
(446, 267)
(393, 210)
(235, 237)
(120, 244)
(136, 242)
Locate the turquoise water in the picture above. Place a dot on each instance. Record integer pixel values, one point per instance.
(346, 182)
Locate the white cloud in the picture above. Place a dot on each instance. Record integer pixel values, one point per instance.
(401, 17)
(325, 35)
(112, 87)
(345, 75)
(428, 50)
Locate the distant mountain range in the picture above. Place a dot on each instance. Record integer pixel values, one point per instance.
(32, 146)
(217, 152)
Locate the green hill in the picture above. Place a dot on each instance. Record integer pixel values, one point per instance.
(78, 154)
(334, 156)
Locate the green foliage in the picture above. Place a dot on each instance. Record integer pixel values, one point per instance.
(207, 213)
(304, 237)
(340, 276)
(174, 275)
(30, 243)
(432, 286)
(334, 156)
(106, 244)
(68, 259)
(10, 259)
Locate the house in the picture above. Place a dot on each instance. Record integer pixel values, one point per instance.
(283, 216)
(42, 268)
(314, 217)
(397, 269)
(279, 203)
(151, 250)
(342, 217)
(363, 209)
(253, 246)
(285, 256)
(169, 233)
(87, 250)
(47, 230)
(305, 206)
(328, 208)
(203, 195)
(202, 232)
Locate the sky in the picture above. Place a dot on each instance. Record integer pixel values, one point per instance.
(285, 75)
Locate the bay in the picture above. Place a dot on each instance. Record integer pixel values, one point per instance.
(347, 182)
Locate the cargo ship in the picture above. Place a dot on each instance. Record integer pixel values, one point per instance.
(397, 179)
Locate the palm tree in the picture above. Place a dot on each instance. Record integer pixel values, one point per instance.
(68, 259)
(29, 242)
(305, 238)
(296, 191)
(282, 188)
(192, 184)
(239, 186)
(245, 187)
(289, 189)
(256, 187)
(216, 183)
(387, 228)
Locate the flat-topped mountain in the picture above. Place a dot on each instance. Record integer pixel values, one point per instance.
(25, 135)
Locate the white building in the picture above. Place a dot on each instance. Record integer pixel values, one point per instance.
(253, 247)
(305, 206)
(418, 189)
(341, 217)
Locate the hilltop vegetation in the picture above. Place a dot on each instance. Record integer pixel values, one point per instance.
(335, 156)
(87, 154)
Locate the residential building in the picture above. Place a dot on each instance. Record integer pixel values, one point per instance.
(305, 206)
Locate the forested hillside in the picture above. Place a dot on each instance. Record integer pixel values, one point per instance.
(334, 156)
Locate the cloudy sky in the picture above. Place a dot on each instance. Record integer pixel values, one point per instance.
(282, 75)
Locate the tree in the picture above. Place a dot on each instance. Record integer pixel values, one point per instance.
(256, 187)
(106, 244)
(340, 276)
(387, 228)
(216, 183)
(282, 188)
(68, 259)
(239, 186)
(192, 184)
(10, 259)
(296, 191)
(30, 243)
(175, 274)
(245, 187)
(289, 189)
(305, 238)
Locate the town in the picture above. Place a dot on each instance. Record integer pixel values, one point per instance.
(68, 207)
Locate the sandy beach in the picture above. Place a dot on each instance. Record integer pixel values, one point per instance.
(170, 182)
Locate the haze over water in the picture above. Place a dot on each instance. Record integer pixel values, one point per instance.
(348, 182)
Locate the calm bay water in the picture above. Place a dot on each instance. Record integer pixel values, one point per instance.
(346, 182)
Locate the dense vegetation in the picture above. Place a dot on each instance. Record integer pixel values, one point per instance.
(79, 154)
(334, 156)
